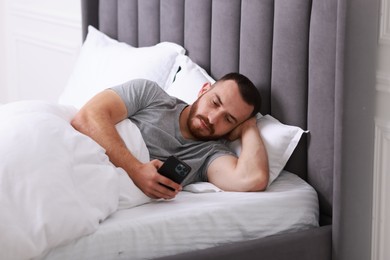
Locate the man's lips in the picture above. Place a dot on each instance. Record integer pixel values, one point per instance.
(205, 124)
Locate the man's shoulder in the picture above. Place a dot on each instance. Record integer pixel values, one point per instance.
(146, 92)
(137, 87)
(141, 83)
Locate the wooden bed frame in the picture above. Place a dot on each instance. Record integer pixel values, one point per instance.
(293, 51)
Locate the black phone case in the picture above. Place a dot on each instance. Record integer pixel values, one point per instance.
(175, 169)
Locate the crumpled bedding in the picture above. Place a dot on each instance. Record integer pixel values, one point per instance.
(56, 184)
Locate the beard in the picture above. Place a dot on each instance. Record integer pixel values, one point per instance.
(200, 133)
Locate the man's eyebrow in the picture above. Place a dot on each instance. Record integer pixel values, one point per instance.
(230, 115)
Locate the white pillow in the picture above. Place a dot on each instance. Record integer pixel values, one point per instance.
(202, 187)
(189, 80)
(279, 139)
(104, 62)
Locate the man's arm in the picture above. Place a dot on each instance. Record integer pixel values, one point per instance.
(97, 119)
(250, 171)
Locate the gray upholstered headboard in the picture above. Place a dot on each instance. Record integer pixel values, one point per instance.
(288, 48)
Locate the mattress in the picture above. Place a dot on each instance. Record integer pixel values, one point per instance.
(194, 221)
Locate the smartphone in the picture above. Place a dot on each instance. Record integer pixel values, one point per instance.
(174, 169)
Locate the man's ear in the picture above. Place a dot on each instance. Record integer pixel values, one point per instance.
(206, 86)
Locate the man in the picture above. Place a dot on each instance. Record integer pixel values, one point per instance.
(194, 133)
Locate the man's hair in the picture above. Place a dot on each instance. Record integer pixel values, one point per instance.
(247, 89)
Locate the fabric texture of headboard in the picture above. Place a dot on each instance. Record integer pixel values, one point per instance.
(288, 48)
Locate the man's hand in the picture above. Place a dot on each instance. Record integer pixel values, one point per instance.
(237, 132)
(149, 181)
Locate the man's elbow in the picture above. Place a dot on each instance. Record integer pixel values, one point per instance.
(259, 183)
(79, 122)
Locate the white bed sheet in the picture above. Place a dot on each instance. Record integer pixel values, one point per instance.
(198, 220)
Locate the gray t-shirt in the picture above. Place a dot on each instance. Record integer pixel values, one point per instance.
(157, 116)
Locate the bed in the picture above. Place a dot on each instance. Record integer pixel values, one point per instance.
(290, 49)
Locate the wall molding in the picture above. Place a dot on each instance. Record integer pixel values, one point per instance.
(381, 196)
(46, 16)
(383, 82)
(57, 29)
(67, 48)
(43, 41)
(384, 27)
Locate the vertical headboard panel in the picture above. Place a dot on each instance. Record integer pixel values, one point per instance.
(290, 71)
(172, 21)
(287, 47)
(290, 61)
(108, 18)
(128, 21)
(225, 41)
(197, 34)
(149, 29)
(322, 114)
(256, 64)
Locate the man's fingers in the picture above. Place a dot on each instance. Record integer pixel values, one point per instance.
(157, 163)
(168, 182)
(154, 187)
(161, 192)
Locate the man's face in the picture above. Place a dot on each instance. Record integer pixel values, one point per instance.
(218, 111)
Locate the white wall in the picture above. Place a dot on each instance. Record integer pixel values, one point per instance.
(42, 41)
(3, 52)
(381, 205)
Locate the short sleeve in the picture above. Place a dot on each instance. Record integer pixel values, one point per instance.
(211, 158)
(137, 94)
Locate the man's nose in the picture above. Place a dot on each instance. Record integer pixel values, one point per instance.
(214, 117)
